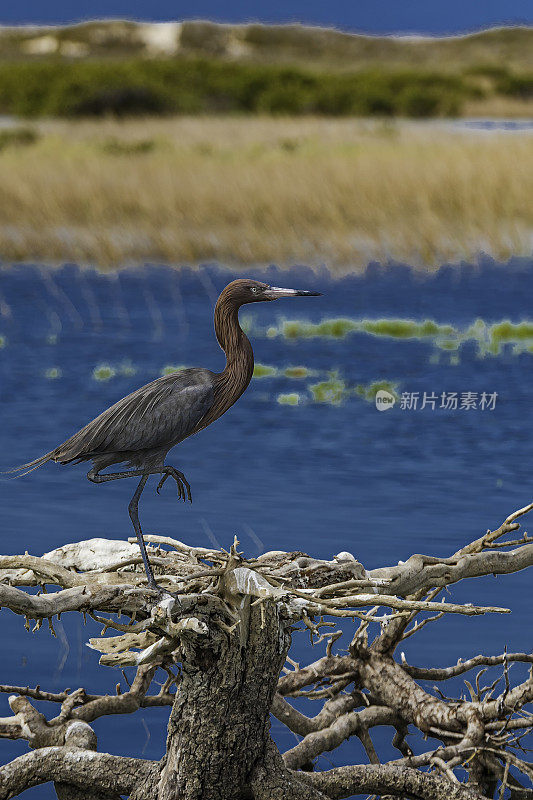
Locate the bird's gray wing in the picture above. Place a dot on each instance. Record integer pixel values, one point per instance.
(164, 412)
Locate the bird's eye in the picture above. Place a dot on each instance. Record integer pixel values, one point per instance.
(254, 289)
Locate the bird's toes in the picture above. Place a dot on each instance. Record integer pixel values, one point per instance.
(165, 594)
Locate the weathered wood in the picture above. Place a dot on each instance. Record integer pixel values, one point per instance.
(219, 724)
(229, 630)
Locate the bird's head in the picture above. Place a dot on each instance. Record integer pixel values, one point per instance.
(249, 291)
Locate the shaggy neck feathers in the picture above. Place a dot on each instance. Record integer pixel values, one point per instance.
(237, 373)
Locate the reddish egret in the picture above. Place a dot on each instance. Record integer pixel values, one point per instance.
(141, 428)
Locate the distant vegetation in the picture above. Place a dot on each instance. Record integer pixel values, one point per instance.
(170, 86)
(126, 69)
(282, 44)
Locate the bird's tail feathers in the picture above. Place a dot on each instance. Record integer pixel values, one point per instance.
(25, 469)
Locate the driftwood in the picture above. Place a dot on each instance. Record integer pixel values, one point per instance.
(228, 624)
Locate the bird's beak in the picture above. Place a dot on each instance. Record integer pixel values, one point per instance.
(273, 292)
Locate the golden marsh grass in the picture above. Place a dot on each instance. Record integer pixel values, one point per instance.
(258, 190)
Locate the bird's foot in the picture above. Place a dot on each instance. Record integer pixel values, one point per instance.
(164, 594)
(184, 489)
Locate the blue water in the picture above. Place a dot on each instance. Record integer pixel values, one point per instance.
(315, 476)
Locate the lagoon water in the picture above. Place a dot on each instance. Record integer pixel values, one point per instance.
(304, 461)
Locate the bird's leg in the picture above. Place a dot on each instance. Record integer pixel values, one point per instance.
(181, 482)
(95, 477)
(133, 509)
(184, 489)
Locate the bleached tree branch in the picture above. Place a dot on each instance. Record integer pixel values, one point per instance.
(226, 609)
(386, 780)
(80, 768)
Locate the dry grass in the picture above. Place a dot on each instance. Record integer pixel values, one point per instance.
(265, 190)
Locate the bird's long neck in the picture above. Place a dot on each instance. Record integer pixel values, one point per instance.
(237, 373)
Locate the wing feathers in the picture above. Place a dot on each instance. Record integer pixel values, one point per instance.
(164, 412)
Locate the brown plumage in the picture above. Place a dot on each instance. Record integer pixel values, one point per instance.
(141, 428)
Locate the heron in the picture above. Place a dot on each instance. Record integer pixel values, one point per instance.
(140, 429)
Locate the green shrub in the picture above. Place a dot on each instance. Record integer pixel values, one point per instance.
(520, 86)
(137, 86)
(284, 99)
(418, 101)
(493, 71)
(121, 101)
(335, 98)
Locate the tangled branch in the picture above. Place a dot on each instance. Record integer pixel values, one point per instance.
(480, 736)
